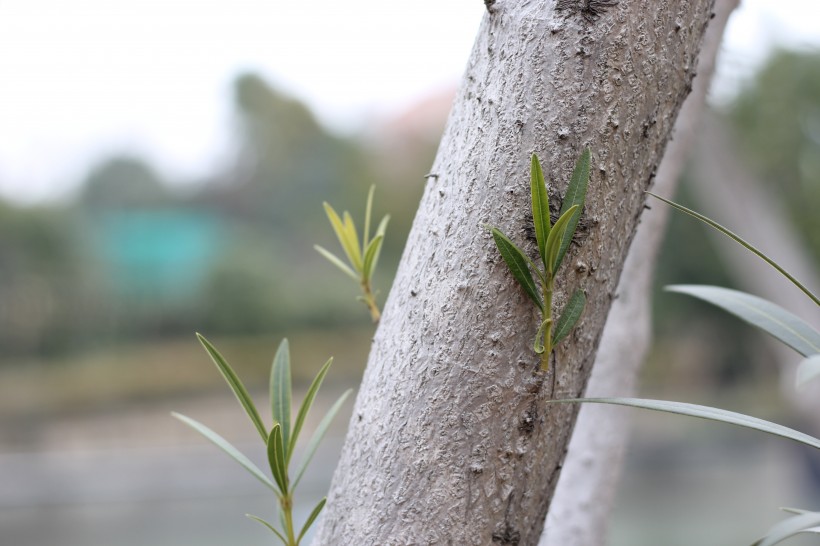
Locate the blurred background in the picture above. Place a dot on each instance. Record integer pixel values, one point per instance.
(162, 169)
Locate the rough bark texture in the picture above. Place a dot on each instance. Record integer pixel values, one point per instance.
(580, 510)
(451, 440)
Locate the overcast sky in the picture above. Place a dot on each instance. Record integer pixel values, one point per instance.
(86, 78)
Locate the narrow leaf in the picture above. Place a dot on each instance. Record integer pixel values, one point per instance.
(341, 233)
(576, 195)
(771, 318)
(225, 446)
(737, 239)
(555, 238)
(538, 343)
(353, 239)
(807, 370)
(318, 434)
(236, 386)
(540, 206)
(370, 257)
(276, 459)
(311, 518)
(367, 209)
(380, 230)
(383, 225)
(705, 412)
(789, 528)
(269, 526)
(337, 262)
(569, 316)
(790, 510)
(517, 262)
(306, 404)
(280, 389)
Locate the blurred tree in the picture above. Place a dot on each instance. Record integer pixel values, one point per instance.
(289, 163)
(400, 150)
(777, 125)
(241, 293)
(122, 182)
(46, 281)
(153, 249)
(689, 256)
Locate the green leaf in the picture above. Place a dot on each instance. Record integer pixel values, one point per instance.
(517, 262)
(306, 404)
(311, 518)
(353, 239)
(337, 262)
(737, 239)
(318, 434)
(276, 459)
(383, 225)
(367, 209)
(576, 195)
(789, 528)
(773, 319)
(705, 412)
(225, 446)
(371, 256)
(540, 206)
(569, 316)
(236, 386)
(280, 389)
(538, 343)
(807, 370)
(555, 238)
(269, 526)
(380, 230)
(342, 234)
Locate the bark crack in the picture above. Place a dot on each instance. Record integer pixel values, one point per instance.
(590, 10)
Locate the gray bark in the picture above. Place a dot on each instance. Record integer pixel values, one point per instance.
(586, 490)
(451, 440)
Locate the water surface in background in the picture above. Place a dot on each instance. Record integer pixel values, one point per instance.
(137, 477)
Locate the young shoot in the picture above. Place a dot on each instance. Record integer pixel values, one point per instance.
(553, 242)
(280, 439)
(362, 256)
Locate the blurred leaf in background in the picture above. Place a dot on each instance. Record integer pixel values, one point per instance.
(287, 163)
(777, 126)
(687, 330)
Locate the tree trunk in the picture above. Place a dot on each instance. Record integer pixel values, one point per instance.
(580, 510)
(451, 440)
